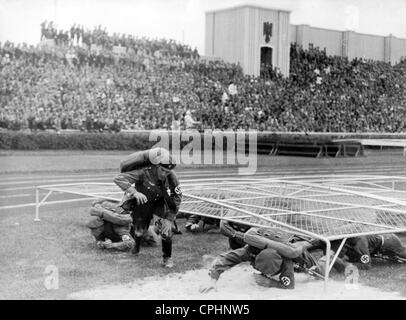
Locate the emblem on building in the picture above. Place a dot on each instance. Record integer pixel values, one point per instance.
(267, 31)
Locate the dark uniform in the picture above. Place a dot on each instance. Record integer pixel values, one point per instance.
(360, 249)
(269, 257)
(110, 225)
(163, 201)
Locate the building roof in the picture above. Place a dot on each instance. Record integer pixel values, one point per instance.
(249, 6)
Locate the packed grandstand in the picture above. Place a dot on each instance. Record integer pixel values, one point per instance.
(81, 82)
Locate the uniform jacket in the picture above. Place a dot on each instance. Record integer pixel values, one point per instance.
(249, 252)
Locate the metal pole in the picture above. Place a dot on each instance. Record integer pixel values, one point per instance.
(337, 253)
(37, 205)
(327, 266)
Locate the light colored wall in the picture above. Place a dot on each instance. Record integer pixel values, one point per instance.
(331, 40)
(349, 43)
(225, 34)
(398, 49)
(209, 37)
(366, 46)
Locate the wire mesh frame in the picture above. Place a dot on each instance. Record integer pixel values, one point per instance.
(386, 204)
(329, 259)
(116, 196)
(84, 189)
(327, 240)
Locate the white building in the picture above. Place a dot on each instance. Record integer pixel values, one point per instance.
(249, 35)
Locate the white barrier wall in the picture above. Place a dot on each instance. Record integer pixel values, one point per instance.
(366, 46)
(350, 44)
(323, 38)
(397, 49)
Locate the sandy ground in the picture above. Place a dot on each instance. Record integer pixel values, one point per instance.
(235, 284)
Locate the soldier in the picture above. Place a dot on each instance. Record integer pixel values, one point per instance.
(110, 225)
(270, 251)
(359, 250)
(152, 192)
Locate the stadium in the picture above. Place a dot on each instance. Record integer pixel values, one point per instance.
(292, 128)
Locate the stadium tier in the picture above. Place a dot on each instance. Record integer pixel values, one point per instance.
(93, 81)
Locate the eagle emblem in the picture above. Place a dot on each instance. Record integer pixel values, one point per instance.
(267, 31)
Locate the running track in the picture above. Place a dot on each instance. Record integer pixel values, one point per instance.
(17, 191)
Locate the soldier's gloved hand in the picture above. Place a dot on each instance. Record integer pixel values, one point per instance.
(140, 197)
(208, 286)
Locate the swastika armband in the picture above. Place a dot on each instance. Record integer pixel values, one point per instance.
(285, 281)
(365, 259)
(178, 191)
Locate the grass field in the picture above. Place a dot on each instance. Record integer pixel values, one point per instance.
(61, 238)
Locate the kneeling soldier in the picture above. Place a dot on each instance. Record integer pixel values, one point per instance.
(110, 225)
(152, 193)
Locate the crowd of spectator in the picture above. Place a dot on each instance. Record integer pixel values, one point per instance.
(93, 81)
(100, 40)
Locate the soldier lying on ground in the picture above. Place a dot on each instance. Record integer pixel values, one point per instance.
(193, 220)
(272, 252)
(359, 250)
(110, 225)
